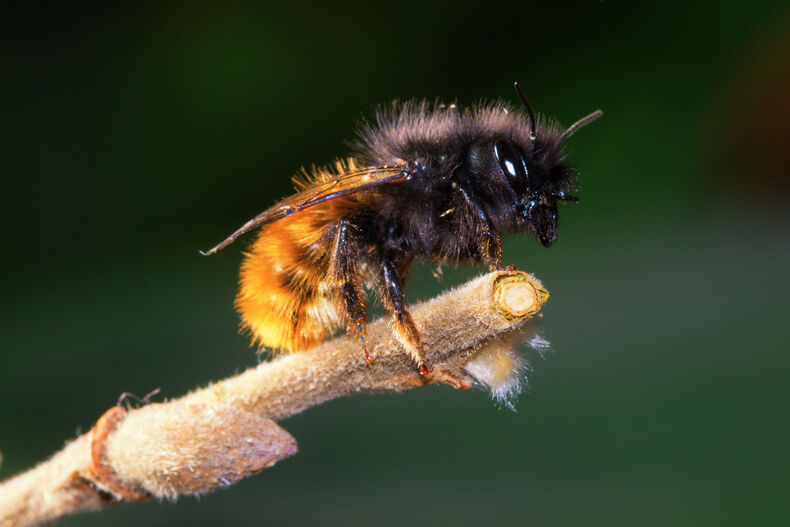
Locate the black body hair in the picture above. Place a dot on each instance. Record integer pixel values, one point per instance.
(449, 150)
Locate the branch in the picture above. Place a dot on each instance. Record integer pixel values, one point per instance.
(215, 436)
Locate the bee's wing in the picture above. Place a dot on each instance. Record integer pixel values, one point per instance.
(361, 180)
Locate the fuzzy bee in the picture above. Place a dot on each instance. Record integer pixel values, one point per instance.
(425, 181)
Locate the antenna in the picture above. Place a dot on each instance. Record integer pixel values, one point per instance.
(529, 110)
(584, 121)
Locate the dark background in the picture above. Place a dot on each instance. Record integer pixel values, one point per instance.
(129, 140)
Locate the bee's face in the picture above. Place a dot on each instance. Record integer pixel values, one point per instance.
(535, 187)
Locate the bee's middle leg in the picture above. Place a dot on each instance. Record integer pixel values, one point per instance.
(392, 297)
(351, 297)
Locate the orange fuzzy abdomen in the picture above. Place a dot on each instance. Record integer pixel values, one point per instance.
(286, 298)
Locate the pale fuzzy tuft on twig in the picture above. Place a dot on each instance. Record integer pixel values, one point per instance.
(500, 366)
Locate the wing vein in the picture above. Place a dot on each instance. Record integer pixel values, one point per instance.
(361, 180)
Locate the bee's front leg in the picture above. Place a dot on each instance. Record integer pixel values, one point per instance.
(489, 242)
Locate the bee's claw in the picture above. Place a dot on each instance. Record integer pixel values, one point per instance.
(424, 371)
(456, 379)
(368, 358)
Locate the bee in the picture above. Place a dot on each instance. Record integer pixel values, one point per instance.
(425, 181)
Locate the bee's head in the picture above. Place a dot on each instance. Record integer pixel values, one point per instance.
(536, 185)
(536, 172)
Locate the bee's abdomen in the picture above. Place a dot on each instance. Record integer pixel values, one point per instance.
(285, 297)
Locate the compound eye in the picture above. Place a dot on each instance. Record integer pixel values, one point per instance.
(512, 164)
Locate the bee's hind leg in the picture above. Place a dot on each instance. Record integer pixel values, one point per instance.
(356, 314)
(351, 297)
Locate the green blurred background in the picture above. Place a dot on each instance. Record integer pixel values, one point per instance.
(131, 139)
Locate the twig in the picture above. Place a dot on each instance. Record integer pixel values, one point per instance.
(213, 437)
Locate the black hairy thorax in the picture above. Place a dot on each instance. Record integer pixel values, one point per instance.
(449, 152)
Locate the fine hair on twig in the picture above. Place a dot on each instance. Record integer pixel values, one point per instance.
(141, 401)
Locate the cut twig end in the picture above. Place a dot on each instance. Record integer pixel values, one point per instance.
(518, 295)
